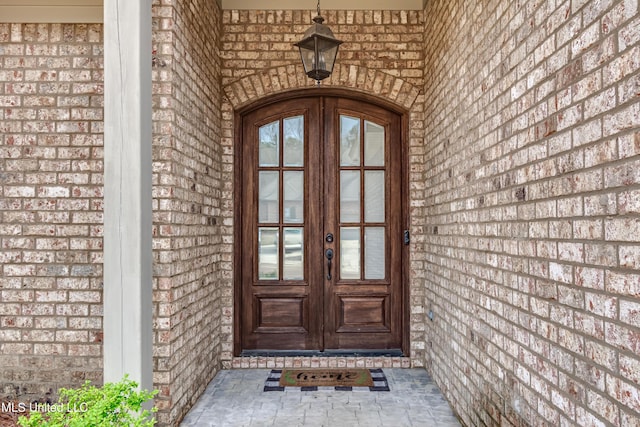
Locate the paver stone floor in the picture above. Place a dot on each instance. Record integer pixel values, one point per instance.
(235, 398)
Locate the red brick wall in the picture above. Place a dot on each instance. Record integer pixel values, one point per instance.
(188, 233)
(50, 206)
(531, 216)
(388, 41)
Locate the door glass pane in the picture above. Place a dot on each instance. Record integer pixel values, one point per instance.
(349, 141)
(293, 253)
(294, 141)
(374, 196)
(374, 249)
(293, 196)
(270, 144)
(373, 144)
(350, 253)
(268, 197)
(349, 196)
(268, 253)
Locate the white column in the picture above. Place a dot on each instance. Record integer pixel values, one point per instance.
(127, 192)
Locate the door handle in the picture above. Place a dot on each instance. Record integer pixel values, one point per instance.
(329, 254)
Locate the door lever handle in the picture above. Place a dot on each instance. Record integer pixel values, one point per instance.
(329, 254)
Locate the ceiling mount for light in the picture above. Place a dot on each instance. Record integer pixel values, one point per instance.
(318, 49)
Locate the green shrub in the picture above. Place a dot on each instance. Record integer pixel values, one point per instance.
(114, 404)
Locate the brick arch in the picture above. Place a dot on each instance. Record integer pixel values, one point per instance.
(250, 88)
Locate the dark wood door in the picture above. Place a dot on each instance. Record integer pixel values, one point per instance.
(321, 217)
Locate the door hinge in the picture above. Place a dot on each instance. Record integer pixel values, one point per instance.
(407, 238)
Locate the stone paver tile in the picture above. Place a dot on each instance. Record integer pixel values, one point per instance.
(235, 398)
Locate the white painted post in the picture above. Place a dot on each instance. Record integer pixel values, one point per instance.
(127, 192)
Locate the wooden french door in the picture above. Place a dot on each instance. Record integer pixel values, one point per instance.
(322, 227)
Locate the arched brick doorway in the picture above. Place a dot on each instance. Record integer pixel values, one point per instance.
(323, 167)
(348, 81)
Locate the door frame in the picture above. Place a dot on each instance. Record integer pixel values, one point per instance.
(239, 115)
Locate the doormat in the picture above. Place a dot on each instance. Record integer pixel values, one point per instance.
(346, 379)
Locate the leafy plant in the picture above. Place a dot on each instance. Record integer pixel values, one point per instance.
(112, 405)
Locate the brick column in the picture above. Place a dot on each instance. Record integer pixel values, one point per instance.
(127, 192)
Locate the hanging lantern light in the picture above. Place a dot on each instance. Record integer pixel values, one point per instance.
(318, 49)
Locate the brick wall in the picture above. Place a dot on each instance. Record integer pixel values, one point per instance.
(187, 202)
(388, 41)
(50, 207)
(531, 215)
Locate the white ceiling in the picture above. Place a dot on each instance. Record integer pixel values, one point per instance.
(61, 11)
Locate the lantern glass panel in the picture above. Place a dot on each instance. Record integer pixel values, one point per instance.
(328, 58)
(308, 59)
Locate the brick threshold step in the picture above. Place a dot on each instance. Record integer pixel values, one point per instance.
(326, 353)
(349, 360)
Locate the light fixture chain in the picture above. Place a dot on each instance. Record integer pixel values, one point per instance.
(318, 7)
